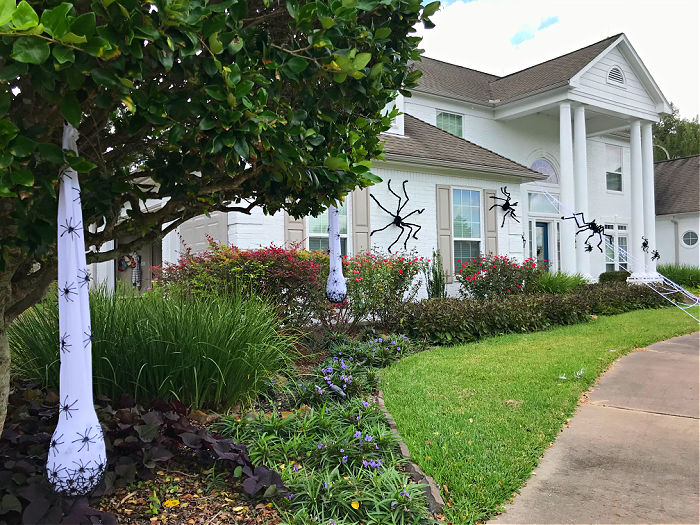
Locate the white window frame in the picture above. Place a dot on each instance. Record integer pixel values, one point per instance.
(615, 232)
(453, 113)
(347, 236)
(482, 237)
(689, 246)
(621, 191)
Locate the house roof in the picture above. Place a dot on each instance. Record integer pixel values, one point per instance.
(470, 85)
(677, 185)
(423, 142)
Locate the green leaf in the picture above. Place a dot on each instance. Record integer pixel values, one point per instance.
(215, 44)
(70, 107)
(22, 146)
(63, 54)
(72, 38)
(176, 134)
(22, 176)
(7, 8)
(362, 60)
(327, 22)
(101, 77)
(430, 9)
(80, 165)
(8, 131)
(12, 70)
(51, 152)
(56, 20)
(5, 101)
(243, 88)
(240, 146)
(84, 24)
(336, 163)
(297, 64)
(24, 17)
(382, 32)
(5, 160)
(30, 50)
(207, 123)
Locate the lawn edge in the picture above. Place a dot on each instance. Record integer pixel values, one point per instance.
(432, 493)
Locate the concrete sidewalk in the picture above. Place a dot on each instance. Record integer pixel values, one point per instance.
(631, 452)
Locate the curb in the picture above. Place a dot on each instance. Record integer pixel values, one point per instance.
(432, 492)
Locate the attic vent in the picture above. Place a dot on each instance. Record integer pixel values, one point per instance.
(615, 76)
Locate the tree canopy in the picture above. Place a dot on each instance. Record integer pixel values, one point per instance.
(676, 137)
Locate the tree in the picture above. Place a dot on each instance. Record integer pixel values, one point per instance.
(676, 137)
(202, 105)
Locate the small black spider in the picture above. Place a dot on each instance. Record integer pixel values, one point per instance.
(53, 472)
(63, 344)
(53, 446)
(67, 290)
(86, 439)
(67, 408)
(589, 226)
(84, 278)
(397, 219)
(70, 228)
(655, 255)
(82, 468)
(507, 206)
(645, 244)
(88, 337)
(588, 247)
(79, 194)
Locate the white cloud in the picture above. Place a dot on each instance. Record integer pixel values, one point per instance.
(664, 33)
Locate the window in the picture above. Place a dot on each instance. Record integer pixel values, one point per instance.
(616, 251)
(318, 231)
(613, 168)
(466, 225)
(690, 238)
(540, 203)
(616, 76)
(545, 167)
(450, 122)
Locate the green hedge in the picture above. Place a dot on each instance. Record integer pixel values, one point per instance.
(683, 274)
(616, 276)
(450, 321)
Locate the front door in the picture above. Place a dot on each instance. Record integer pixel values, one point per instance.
(542, 243)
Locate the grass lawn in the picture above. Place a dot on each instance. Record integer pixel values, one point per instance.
(477, 417)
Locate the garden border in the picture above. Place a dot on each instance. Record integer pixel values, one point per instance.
(432, 493)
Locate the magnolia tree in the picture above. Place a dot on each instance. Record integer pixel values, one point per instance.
(199, 105)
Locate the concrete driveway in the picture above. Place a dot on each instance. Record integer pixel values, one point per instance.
(631, 452)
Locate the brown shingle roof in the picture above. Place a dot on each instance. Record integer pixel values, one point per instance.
(470, 85)
(422, 141)
(677, 185)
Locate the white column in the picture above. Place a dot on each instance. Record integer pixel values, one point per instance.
(566, 157)
(648, 191)
(583, 261)
(637, 226)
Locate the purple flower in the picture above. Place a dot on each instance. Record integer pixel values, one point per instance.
(365, 404)
(357, 434)
(342, 450)
(345, 459)
(295, 468)
(368, 438)
(320, 446)
(405, 494)
(364, 462)
(393, 504)
(290, 496)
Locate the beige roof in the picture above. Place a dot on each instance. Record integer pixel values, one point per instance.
(677, 185)
(424, 142)
(470, 85)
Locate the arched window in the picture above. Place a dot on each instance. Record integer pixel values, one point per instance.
(545, 167)
(616, 76)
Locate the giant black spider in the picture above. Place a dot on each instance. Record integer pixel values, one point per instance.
(655, 255)
(589, 226)
(70, 228)
(398, 220)
(67, 408)
(645, 244)
(86, 439)
(507, 206)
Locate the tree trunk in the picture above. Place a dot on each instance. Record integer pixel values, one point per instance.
(5, 298)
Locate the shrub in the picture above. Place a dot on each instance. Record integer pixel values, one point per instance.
(435, 277)
(209, 352)
(685, 275)
(616, 276)
(559, 282)
(451, 321)
(494, 276)
(378, 351)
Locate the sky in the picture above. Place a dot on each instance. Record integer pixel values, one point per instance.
(504, 36)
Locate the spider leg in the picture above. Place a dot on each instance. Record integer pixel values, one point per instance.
(587, 238)
(406, 195)
(575, 217)
(415, 211)
(417, 226)
(379, 204)
(397, 238)
(492, 207)
(410, 231)
(497, 197)
(600, 242)
(504, 190)
(503, 222)
(380, 229)
(398, 208)
(511, 213)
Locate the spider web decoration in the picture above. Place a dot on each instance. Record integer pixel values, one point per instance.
(398, 220)
(77, 458)
(336, 287)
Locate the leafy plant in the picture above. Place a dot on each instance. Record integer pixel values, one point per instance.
(614, 276)
(211, 352)
(559, 282)
(492, 276)
(435, 277)
(683, 274)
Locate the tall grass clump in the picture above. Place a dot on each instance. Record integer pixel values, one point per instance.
(435, 277)
(208, 352)
(559, 282)
(683, 274)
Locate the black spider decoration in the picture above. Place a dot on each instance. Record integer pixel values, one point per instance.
(398, 220)
(63, 343)
(645, 244)
(67, 290)
(70, 228)
(79, 194)
(588, 248)
(66, 408)
(591, 226)
(655, 255)
(88, 337)
(507, 206)
(53, 446)
(86, 439)
(84, 277)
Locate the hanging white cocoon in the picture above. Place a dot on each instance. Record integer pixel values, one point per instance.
(77, 457)
(336, 287)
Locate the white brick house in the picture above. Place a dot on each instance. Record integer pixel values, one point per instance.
(577, 126)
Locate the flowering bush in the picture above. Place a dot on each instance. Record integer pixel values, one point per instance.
(494, 276)
(378, 350)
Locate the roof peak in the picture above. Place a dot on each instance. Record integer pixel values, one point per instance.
(459, 66)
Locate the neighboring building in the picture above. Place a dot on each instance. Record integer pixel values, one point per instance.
(578, 127)
(678, 210)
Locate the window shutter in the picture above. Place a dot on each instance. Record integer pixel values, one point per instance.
(294, 230)
(360, 221)
(444, 229)
(491, 223)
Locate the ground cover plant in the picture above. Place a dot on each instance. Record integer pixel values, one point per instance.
(559, 282)
(208, 352)
(477, 417)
